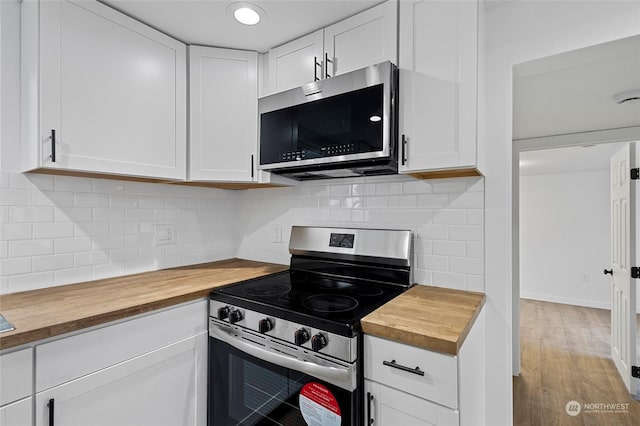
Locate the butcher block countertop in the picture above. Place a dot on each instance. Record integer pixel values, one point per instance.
(428, 317)
(433, 318)
(49, 312)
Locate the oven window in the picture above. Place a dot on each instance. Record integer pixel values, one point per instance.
(247, 391)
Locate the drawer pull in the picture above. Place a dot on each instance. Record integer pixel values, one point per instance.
(393, 364)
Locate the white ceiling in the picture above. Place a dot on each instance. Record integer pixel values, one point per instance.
(567, 159)
(206, 22)
(573, 92)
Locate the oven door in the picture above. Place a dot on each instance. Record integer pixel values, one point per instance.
(251, 383)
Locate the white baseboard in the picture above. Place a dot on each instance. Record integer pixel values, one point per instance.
(567, 301)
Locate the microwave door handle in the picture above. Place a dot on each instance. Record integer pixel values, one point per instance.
(319, 371)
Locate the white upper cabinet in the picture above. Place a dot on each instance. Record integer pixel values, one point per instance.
(223, 114)
(367, 38)
(111, 89)
(438, 85)
(296, 63)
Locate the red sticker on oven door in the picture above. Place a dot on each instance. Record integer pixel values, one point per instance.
(318, 405)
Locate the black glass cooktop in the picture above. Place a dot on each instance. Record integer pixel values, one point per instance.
(333, 304)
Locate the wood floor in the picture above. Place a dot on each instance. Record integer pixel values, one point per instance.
(566, 357)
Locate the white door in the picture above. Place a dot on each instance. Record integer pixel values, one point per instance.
(365, 39)
(623, 291)
(161, 388)
(386, 406)
(223, 116)
(296, 63)
(114, 90)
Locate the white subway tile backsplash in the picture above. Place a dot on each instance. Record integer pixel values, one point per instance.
(14, 266)
(450, 248)
(53, 230)
(65, 229)
(87, 199)
(30, 214)
(467, 233)
(12, 197)
(24, 248)
(72, 245)
(15, 231)
(466, 265)
(52, 262)
(73, 214)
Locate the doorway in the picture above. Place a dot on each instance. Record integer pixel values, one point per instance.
(566, 102)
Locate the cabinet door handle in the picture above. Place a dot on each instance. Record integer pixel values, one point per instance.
(50, 405)
(53, 145)
(327, 61)
(251, 166)
(393, 364)
(403, 153)
(370, 420)
(316, 64)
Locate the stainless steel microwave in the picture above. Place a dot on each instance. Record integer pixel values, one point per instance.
(342, 126)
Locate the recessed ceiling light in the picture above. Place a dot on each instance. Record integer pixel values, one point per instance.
(246, 13)
(375, 118)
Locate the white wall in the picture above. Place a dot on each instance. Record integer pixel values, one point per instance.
(518, 32)
(446, 216)
(564, 235)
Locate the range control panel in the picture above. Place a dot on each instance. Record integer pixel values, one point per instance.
(342, 240)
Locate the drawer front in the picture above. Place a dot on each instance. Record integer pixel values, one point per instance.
(62, 360)
(438, 384)
(16, 375)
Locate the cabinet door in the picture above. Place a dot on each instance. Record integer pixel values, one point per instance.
(390, 407)
(365, 39)
(223, 114)
(296, 63)
(114, 91)
(163, 387)
(17, 414)
(438, 83)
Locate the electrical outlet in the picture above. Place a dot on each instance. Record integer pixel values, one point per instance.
(165, 234)
(585, 277)
(277, 233)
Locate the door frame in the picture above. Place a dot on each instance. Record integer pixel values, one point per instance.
(626, 134)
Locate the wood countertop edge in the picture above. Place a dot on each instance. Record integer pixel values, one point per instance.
(33, 335)
(398, 333)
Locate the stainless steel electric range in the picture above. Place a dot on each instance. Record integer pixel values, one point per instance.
(286, 349)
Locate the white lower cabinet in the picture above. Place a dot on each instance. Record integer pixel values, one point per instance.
(17, 413)
(150, 370)
(406, 385)
(157, 388)
(389, 406)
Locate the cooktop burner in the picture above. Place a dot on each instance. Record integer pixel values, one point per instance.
(336, 304)
(330, 303)
(266, 290)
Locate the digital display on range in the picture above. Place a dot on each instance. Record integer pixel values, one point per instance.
(342, 240)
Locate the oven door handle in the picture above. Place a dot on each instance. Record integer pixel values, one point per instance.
(310, 368)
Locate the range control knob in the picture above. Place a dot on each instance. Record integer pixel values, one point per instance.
(265, 325)
(301, 336)
(223, 313)
(235, 316)
(318, 341)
